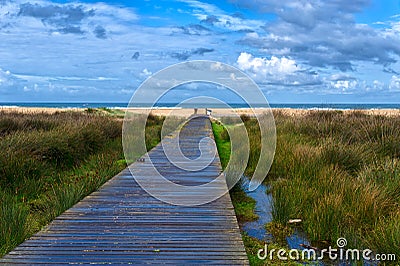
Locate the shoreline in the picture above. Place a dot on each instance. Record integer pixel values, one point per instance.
(173, 111)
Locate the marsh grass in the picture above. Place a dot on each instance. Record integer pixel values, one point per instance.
(339, 173)
(48, 162)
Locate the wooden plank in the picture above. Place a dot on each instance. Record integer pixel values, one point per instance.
(122, 224)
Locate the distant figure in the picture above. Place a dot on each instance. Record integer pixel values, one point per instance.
(195, 111)
(208, 112)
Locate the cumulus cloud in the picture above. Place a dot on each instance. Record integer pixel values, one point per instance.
(395, 83)
(344, 85)
(276, 71)
(299, 46)
(273, 66)
(322, 34)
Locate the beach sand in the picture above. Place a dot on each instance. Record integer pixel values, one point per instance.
(215, 111)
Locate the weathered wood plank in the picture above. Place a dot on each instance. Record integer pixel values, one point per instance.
(122, 224)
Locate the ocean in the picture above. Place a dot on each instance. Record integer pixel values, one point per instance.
(116, 105)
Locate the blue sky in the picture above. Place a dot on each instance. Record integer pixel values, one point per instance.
(323, 51)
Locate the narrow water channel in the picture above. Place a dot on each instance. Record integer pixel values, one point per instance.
(263, 209)
(257, 228)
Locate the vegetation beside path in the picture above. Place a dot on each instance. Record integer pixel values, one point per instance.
(48, 162)
(337, 172)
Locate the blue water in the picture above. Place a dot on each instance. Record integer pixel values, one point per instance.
(263, 209)
(336, 106)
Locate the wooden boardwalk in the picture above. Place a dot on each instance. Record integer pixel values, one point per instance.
(122, 224)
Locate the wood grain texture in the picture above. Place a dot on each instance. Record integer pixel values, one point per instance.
(122, 224)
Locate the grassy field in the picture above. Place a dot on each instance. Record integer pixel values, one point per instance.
(339, 173)
(50, 162)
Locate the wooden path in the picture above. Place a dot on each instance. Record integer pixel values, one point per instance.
(122, 224)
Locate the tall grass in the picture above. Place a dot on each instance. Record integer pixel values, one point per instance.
(48, 162)
(243, 204)
(339, 173)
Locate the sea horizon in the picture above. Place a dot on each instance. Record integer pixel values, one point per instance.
(118, 105)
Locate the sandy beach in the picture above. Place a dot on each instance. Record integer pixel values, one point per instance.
(185, 112)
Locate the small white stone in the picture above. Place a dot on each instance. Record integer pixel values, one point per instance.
(294, 221)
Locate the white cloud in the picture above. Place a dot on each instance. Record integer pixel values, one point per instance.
(39, 52)
(203, 11)
(323, 34)
(378, 85)
(267, 67)
(395, 83)
(34, 88)
(126, 91)
(4, 76)
(344, 85)
(7, 79)
(297, 49)
(146, 73)
(277, 71)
